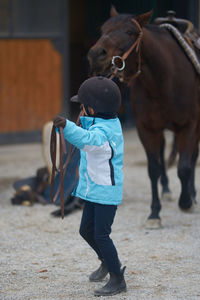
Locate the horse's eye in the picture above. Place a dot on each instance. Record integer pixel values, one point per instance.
(129, 32)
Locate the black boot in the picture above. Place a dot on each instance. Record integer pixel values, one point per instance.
(100, 273)
(115, 285)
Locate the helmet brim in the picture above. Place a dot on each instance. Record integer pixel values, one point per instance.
(75, 99)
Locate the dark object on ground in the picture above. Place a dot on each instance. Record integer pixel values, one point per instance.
(73, 204)
(30, 190)
(37, 189)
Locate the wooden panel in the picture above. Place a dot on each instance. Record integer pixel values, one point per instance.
(30, 84)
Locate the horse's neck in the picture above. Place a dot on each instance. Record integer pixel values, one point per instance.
(156, 55)
(153, 51)
(153, 62)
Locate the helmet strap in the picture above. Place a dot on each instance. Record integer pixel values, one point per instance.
(86, 107)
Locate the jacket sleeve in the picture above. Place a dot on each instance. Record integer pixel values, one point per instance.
(80, 137)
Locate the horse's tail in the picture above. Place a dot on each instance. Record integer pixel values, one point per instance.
(173, 153)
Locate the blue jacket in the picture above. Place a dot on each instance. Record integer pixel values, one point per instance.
(100, 171)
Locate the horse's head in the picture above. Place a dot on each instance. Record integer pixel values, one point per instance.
(118, 34)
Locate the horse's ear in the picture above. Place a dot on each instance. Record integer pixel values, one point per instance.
(113, 11)
(144, 18)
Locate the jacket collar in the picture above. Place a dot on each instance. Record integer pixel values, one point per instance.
(87, 121)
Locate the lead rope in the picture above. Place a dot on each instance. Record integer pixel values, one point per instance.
(63, 168)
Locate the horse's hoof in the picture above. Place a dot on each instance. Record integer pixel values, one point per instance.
(167, 197)
(194, 208)
(153, 224)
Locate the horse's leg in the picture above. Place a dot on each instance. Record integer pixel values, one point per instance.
(166, 193)
(184, 173)
(152, 143)
(192, 177)
(186, 166)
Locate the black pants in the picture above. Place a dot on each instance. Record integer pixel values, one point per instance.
(95, 228)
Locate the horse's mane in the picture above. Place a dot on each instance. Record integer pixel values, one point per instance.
(154, 28)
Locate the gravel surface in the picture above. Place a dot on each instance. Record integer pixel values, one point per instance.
(43, 257)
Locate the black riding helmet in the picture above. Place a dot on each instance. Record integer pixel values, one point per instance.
(100, 93)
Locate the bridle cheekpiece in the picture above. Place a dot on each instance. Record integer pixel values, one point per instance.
(118, 62)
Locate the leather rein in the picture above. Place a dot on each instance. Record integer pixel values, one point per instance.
(136, 46)
(63, 167)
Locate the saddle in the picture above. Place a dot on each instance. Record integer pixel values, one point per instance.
(186, 28)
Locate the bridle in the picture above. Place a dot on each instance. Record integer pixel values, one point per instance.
(121, 59)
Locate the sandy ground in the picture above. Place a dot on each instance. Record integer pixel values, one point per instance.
(43, 257)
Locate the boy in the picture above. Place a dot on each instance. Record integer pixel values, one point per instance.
(100, 185)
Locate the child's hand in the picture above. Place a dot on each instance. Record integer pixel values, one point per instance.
(59, 121)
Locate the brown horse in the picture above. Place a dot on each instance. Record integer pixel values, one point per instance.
(164, 95)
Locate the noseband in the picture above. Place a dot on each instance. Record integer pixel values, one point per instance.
(121, 59)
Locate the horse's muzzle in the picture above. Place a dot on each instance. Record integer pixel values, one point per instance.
(95, 54)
